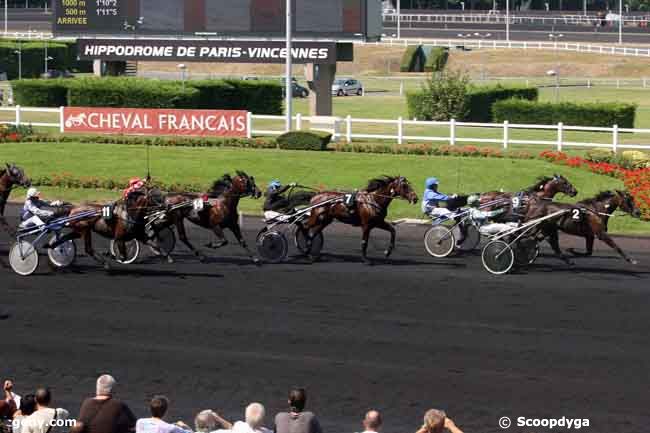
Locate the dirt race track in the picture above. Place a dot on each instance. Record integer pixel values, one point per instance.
(401, 336)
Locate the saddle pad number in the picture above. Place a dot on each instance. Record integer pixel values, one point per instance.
(516, 202)
(107, 212)
(575, 214)
(349, 198)
(197, 204)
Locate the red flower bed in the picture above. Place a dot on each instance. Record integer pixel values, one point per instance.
(637, 182)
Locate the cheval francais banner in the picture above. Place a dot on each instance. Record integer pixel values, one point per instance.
(136, 121)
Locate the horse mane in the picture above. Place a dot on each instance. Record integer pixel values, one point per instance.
(603, 195)
(540, 181)
(220, 185)
(242, 173)
(379, 183)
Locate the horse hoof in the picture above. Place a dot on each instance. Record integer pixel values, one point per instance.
(257, 261)
(634, 262)
(203, 259)
(170, 260)
(107, 267)
(388, 252)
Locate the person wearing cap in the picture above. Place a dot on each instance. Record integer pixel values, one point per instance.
(275, 200)
(135, 184)
(432, 199)
(33, 212)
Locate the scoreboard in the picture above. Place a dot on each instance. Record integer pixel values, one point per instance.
(312, 19)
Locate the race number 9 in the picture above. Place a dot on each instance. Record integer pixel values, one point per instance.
(516, 202)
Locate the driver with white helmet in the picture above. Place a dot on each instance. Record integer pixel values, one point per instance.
(33, 212)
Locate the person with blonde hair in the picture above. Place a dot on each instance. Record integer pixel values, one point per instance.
(437, 421)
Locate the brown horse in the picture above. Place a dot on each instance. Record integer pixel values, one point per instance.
(9, 177)
(368, 210)
(587, 218)
(125, 222)
(220, 211)
(515, 205)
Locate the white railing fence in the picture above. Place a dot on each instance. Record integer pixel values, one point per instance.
(348, 129)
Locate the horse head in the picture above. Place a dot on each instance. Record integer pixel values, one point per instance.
(627, 204)
(401, 187)
(561, 184)
(245, 186)
(16, 176)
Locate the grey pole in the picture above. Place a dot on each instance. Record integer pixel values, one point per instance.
(399, 19)
(6, 17)
(620, 21)
(289, 62)
(508, 20)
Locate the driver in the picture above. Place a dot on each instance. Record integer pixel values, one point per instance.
(33, 212)
(135, 184)
(432, 199)
(275, 200)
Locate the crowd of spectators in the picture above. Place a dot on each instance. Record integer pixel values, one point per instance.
(105, 413)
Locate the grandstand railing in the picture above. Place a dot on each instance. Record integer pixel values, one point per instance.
(500, 18)
(402, 131)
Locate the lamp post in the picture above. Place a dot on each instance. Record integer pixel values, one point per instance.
(399, 19)
(483, 36)
(508, 20)
(19, 52)
(620, 21)
(288, 88)
(6, 17)
(555, 37)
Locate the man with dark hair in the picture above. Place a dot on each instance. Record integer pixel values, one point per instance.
(296, 420)
(158, 408)
(45, 419)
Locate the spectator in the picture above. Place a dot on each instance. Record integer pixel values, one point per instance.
(297, 421)
(436, 421)
(208, 421)
(8, 406)
(27, 407)
(155, 424)
(255, 413)
(103, 413)
(372, 422)
(44, 419)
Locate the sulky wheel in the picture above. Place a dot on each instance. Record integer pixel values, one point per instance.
(23, 258)
(301, 243)
(165, 240)
(63, 255)
(272, 246)
(497, 257)
(472, 239)
(526, 251)
(132, 251)
(439, 241)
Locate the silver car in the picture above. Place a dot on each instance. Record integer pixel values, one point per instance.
(347, 86)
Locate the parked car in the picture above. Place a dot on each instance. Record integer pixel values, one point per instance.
(347, 86)
(55, 73)
(298, 91)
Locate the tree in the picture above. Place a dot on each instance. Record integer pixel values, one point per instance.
(443, 97)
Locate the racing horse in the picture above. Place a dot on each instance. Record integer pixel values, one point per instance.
(10, 176)
(586, 218)
(122, 221)
(514, 205)
(367, 210)
(219, 213)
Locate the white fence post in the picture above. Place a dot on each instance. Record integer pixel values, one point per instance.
(452, 132)
(644, 83)
(615, 138)
(400, 130)
(588, 83)
(348, 129)
(560, 136)
(249, 125)
(505, 134)
(299, 121)
(401, 88)
(17, 115)
(61, 120)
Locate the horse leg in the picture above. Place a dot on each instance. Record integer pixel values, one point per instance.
(554, 241)
(88, 246)
(221, 238)
(236, 230)
(364, 245)
(182, 235)
(390, 229)
(589, 247)
(603, 236)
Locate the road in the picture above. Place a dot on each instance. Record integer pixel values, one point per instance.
(401, 336)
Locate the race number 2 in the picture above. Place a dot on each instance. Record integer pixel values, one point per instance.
(575, 214)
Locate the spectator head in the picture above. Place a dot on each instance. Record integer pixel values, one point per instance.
(297, 399)
(105, 385)
(43, 397)
(255, 415)
(205, 421)
(372, 421)
(158, 406)
(434, 421)
(28, 404)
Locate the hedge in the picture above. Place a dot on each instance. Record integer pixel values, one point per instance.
(436, 60)
(130, 92)
(410, 58)
(64, 57)
(481, 100)
(41, 93)
(303, 140)
(259, 97)
(584, 114)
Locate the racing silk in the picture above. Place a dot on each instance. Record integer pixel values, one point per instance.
(32, 208)
(275, 200)
(134, 185)
(430, 200)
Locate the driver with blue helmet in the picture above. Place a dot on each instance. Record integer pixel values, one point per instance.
(275, 200)
(432, 199)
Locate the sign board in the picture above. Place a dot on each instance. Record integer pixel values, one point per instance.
(205, 51)
(202, 123)
(313, 19)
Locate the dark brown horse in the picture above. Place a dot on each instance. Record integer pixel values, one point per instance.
(123, 222)
(10, 176)
(587, 218)
(220, 211)
(368, 211)
(515, 205)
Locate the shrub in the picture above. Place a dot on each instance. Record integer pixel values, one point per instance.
(41, 93)
(303, 140)
(443, 97)
(412, 59)
(481, 100)
(259, 97)
(600, 155)
(636, 159)
(583, 114)
(436, 60)
(33, 54)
